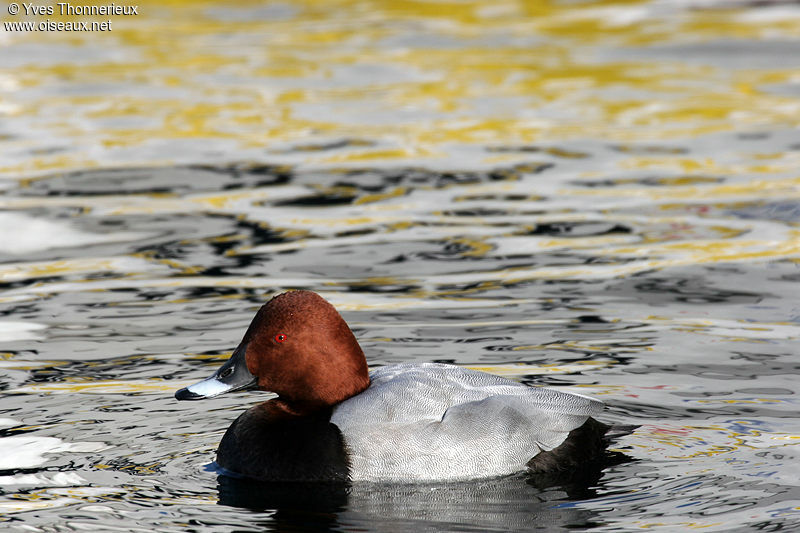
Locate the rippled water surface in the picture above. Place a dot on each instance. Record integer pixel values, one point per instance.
(599, 196)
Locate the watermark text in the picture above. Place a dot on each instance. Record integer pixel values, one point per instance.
(65, 9)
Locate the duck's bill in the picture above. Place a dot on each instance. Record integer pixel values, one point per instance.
(232, 376)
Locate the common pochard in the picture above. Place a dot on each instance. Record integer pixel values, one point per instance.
(333, 420)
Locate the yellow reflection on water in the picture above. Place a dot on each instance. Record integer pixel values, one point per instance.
(412, 75)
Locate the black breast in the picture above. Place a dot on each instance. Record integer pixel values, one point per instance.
(269, 448)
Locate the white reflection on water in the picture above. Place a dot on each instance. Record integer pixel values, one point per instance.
(28, 452)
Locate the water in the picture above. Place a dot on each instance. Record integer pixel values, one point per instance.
(596, 196)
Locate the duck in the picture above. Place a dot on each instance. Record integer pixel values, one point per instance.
(332, 420)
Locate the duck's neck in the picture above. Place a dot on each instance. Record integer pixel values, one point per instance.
(280, 409)
(291, 407)
(294, 408)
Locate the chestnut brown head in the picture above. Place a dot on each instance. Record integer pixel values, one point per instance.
(297, 346)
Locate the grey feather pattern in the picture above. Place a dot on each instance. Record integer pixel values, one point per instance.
(434, 422)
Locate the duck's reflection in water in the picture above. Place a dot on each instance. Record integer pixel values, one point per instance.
(515, 503)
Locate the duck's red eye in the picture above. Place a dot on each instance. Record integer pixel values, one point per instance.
(280, 337)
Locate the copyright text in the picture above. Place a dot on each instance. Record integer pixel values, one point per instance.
(66, 9)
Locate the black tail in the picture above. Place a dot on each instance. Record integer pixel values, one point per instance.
(580, 458)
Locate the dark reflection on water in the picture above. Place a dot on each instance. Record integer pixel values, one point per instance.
(506, 504)
(182, 180)
(296, 506)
